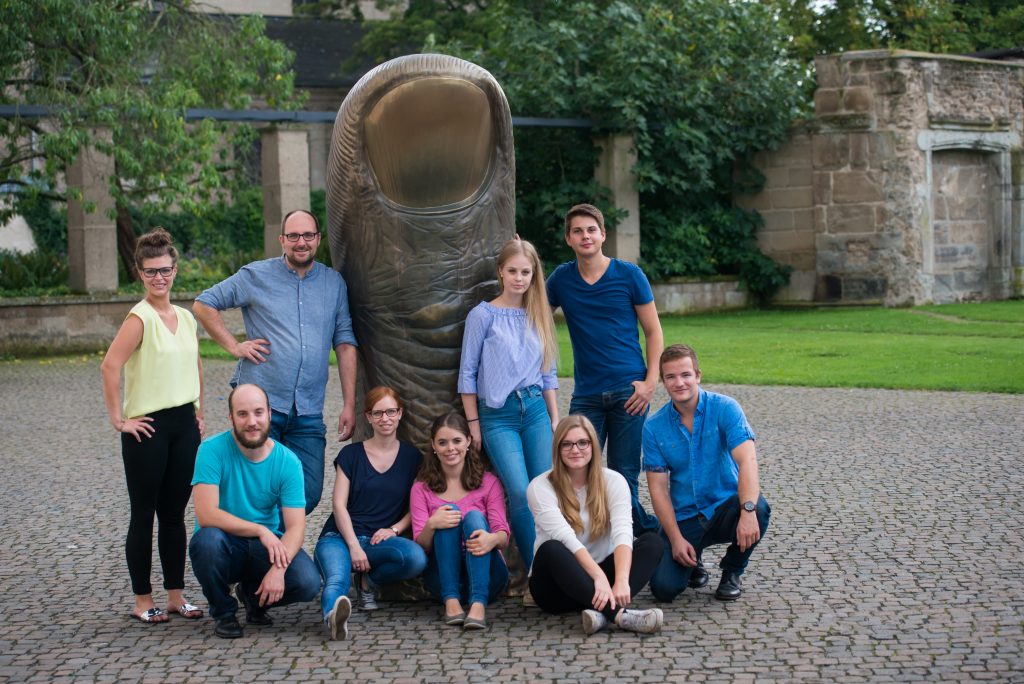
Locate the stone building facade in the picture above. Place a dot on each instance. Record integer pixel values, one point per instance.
(906, 187)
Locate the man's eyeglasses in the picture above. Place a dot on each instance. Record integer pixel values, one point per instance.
(294, 237)
(390, 413)
(581, 444)
(166, 272)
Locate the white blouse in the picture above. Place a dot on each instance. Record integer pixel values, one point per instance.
(551, 524)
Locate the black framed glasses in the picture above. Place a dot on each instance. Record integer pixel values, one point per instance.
(581, 444)
(294, 237)
(166, 272)
(380, 413)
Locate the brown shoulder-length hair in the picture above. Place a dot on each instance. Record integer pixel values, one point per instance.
(597, 493)
(156, 243)
(431, 473)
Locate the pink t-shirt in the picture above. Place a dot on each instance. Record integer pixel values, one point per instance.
(488, 498)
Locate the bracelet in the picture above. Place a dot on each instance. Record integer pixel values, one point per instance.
(472, 420)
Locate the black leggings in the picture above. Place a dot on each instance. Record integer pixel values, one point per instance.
(559, 584)
(158, 471)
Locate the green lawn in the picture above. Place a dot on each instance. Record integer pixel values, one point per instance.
(971, 347)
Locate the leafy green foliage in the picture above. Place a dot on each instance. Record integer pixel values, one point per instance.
(133, 67)
(48, 222)
(943, 26)
(27, 273)
(699, 83)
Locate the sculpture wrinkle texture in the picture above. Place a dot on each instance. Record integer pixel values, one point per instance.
(420, 197)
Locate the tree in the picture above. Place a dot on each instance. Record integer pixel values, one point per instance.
(943, 26)
(700, 84)
(134, 67)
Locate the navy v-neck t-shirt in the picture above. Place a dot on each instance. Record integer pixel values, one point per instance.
(375, 500)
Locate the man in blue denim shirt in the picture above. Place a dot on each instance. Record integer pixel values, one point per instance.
(295, 311)
(701, 468)
(603, 299)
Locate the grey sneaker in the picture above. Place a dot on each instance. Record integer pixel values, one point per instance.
(593, 621)
(366, 598)
(337, 619)
(641, 621)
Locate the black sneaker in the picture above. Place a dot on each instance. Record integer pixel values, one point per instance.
(228, 628)
(255, 614)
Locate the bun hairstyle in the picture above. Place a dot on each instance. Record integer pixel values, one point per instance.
(155, 243)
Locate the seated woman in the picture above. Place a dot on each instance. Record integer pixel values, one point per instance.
(586, 559)
(371, 511)
(458, 517)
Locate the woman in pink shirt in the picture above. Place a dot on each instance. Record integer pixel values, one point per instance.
(458, 517)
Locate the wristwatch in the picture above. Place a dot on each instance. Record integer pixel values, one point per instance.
(394, 530)
(749, 506)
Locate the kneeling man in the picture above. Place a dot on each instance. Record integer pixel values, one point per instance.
(245, 484)
(702, 474)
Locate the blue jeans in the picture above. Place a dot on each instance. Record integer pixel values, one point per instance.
(621, 436)
(393, 560)
(485, 576)
(220, 559)
(307, 437)
(517, 438)
(671, 578)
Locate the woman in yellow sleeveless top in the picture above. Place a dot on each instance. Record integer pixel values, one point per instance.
(161, 425)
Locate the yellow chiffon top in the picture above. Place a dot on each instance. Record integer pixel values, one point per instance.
(163, 372)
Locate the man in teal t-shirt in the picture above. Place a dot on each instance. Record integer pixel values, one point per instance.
(245, 484)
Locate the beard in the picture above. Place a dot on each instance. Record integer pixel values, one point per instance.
(252, 443)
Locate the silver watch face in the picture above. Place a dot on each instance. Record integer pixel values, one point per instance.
(749, 506)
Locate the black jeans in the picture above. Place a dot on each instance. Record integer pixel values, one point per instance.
(158, 471)
(559, 584)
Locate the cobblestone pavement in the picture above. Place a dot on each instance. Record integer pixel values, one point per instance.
(894, 554)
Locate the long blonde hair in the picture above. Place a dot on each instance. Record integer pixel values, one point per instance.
(597, 494)
(535, 301)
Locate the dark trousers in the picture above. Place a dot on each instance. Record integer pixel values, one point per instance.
(220, 559)
(559, 584)
(158, 471)
(671, 579)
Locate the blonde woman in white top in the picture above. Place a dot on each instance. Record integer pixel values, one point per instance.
(585, 558)
(161, 424)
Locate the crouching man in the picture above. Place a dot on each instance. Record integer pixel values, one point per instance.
(701, 468)
(244, 485)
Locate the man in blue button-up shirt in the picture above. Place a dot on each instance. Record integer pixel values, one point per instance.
(701, 469)
(295, 311)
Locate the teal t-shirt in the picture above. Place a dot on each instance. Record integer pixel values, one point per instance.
(252, 491)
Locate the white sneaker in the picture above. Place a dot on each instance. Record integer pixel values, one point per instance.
(337, 619)
(642, 621)
(593, 621)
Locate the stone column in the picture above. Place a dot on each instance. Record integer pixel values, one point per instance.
(615, 171)
(285, 165)
(1017, 222)
(92, 233)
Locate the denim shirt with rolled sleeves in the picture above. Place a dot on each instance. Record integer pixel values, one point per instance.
(702, 471)
(302, 318)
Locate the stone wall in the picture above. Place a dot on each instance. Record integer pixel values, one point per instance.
(787, 206)
(914, 197)
(30, 325)
(87, 323)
